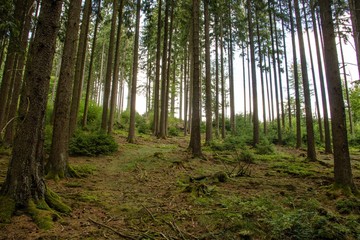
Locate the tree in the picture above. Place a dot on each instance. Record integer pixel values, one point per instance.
(296, 79)
(58, 164)
(311, 154)
(109, 67)
(253, 75)
(208, 101)
(195, 138)
(131, 136)
(79, 67)
(355, 19)
(157, 72)
(342, 165)
(116, 71)
(328, 148)
(24, 184)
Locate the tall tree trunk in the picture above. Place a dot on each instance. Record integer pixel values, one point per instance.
(195, 138)
(296, 80)
(253, 75)
(342, 165)
(280, 89)
(208, 136)
(24, 180)
(313, 74)
(186, 92)
(244, 77)
(261, 72)
(231, 75)
(131, 136)
(116, 71)
(167, 90)
(162, 127)
(351, 124)
(311, 153)
(79, 67)
(328, 148)
(157, 72)
(278, 119)
(109, 68)
(90, 75)
(58, 164)
(286, 73)
(217, 121)
(223, 100)
(12, 50)
(18, 74)
(355, 19)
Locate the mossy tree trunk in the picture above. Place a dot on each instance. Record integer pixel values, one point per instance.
(24, 180)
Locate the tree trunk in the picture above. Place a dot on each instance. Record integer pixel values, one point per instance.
(223, 100)
(131, 136)
(342, 165)
(311, 154)
(351, 124)
(278, 119)
(116, 71)
(24, 180)
(157, 73)
(58, 164)
(90, 75)
(217, 122)
(162, 126)
(18, 74)
(253, 75)
(195, 138)
(12, 50)
(208, 104)
(79, 67)
(355, 19)
(109, 67)
(328, 148)
(296, 80)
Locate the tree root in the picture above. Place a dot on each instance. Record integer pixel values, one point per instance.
(112, 229)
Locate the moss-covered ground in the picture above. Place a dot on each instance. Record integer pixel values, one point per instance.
(155, 190)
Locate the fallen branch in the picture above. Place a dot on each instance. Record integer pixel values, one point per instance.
(112, 229)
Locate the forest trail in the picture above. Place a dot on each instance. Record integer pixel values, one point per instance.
(155, 190)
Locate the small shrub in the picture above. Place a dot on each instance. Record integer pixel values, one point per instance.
(92, 144)
(264, 148)
(174, 131)
(347, 206)
(246, 156)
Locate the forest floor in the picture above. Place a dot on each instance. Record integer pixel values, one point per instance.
(155, 190)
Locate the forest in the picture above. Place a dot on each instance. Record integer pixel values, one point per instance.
(179, 119)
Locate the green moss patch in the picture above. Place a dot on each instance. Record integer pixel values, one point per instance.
(7, 208)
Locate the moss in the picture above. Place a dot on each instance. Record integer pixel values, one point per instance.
(43, 218)
(54, 201)
(82, 171)
(7, 208)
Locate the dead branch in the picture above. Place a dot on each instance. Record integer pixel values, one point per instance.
(112, 229)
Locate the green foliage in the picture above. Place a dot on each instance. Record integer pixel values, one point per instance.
(7, 208)
(230, 143)
(93, 115)
(293, 168)
(246, 156)
(48, 138)
(348, 205)
(264, 147)
(92, 144)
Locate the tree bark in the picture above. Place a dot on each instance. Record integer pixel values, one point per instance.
(90, 76)
(79, 67)
(296, 80)
(131, 136)
(342, 165)
(116, 71)
(253, 76)
(109, 68)
(24, 180)
(208, 135)
(157, 73)
(195, 138)
(58, 164)
(311, 153)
